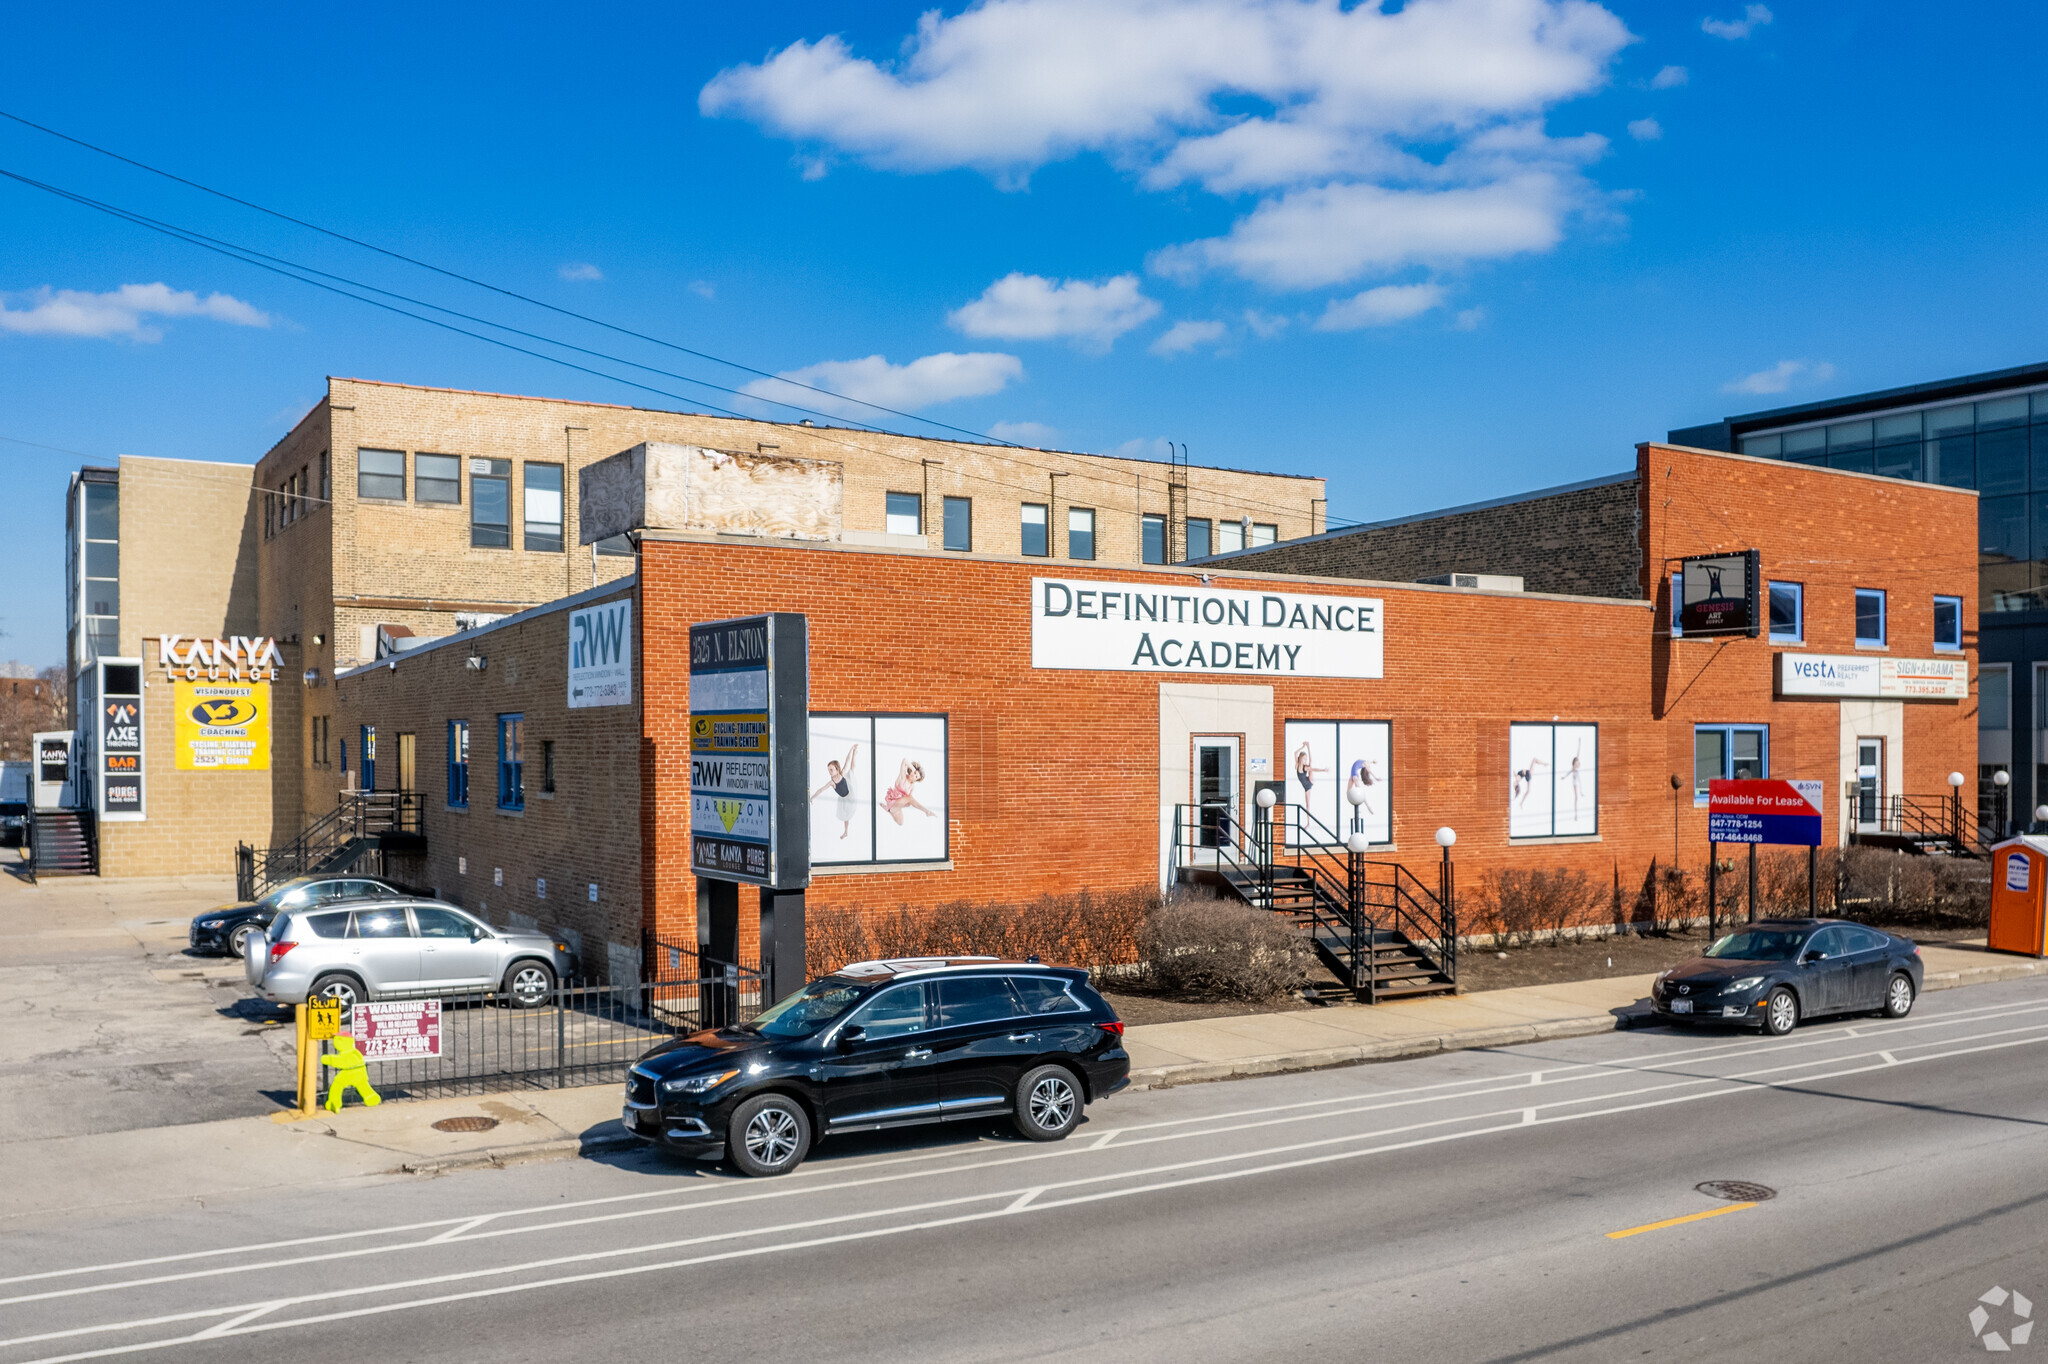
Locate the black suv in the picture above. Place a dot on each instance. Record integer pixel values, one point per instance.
(884, 1044)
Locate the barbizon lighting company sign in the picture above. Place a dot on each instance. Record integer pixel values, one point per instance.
(1913, 679)
(1751, 811)
(1147, 627)
(601, 655)
(750, 819)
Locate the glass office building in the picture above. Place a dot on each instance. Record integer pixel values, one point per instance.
(1983, 431)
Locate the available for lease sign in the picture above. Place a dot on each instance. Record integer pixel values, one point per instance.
(1203, 631)
(1748, 810)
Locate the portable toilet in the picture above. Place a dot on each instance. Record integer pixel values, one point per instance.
(2019, 880)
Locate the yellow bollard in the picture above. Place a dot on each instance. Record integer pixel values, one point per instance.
(316, 1023)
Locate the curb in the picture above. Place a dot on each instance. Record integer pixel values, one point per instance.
(501, 1156)
(1977, 975)
(1197, 1072)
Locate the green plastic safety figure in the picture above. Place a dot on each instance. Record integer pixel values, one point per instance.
(351, 1071)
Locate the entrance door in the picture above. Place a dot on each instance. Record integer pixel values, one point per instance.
(405, 757)
(1869, 785)
(1217, 799)
(55, 785)
(369, 757)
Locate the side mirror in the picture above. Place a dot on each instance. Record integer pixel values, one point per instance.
(849, 1036)
(1814, 956)
(477, 935)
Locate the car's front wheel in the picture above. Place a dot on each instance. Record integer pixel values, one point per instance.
(768, 1135)
(529, 984)
(1048, 1103)
(1898, 996)
(1781, 1012)
(238, 941)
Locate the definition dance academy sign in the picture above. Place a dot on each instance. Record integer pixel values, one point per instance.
(1147, 627)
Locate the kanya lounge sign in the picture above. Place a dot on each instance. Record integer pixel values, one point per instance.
(239, 658)
(1203, 631)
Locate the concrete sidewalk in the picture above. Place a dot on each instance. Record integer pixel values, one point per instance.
(75, 1174)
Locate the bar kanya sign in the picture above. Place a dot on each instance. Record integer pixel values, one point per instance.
(1150, 627)
(252, 658)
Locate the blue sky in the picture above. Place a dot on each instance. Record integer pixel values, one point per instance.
(1434, 253)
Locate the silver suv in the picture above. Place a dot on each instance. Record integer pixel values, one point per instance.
(382, 950)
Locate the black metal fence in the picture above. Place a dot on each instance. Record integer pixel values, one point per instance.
(587, 1033)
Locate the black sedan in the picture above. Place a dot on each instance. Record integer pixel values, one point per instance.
(229, 928)
(884, 1044)
(1774, 972)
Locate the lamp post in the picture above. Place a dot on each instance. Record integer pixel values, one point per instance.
(2000, 780)
(2041, 814)
(1955, 809)
(1266, 800)
(1447, 886)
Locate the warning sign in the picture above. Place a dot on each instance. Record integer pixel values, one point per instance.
(397, 1029)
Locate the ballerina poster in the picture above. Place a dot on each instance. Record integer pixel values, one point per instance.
(1328, 761)
(1553, 780)
(877, 787)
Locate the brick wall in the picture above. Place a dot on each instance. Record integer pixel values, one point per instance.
(1582, 542)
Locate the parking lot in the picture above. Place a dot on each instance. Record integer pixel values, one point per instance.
(110, 1025)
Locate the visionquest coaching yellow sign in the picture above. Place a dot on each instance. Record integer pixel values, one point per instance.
(222, 726)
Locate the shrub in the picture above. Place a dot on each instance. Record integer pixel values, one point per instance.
(1082, 928)
(1222, 949)
(1516, 906)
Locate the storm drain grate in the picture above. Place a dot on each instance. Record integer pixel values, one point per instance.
(477, 1125)
(1734, 1190)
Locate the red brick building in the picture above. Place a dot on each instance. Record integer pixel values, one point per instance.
(1058, 714)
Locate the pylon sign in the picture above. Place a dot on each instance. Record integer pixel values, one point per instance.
(749, 731)
(1751, 811)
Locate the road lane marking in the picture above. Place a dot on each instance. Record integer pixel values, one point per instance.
(1166, 1178)
(1679, 1221)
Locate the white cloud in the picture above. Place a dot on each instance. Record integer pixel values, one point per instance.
(1753, 17)
(1386, 108)
(924, 382)
(1185, 335)
(1782, 376)
(1646, 130)
(1021, 307)
(119, 312)
(580, 272)
(1669, 76)
(1381, 307)
(1470, 319)
(1265, 326)
(703, 288)
(1145, 447)
(1023, 433)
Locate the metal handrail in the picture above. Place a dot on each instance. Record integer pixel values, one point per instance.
(1922, 818)
(356, 815)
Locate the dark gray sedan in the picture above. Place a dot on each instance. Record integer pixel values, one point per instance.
(1774, 972)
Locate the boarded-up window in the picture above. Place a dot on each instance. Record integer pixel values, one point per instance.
(976, 769)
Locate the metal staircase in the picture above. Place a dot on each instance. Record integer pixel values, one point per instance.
(62, 843)
(1382, 932)
(361, 822)
(1918, 824)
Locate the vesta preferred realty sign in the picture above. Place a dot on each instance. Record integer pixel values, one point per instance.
(1193, 630)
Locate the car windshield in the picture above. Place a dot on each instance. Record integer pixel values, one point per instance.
(1760, 944)
(290, 895)
(811, 1008)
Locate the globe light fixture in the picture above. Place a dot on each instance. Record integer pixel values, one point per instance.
(1446, 836)
(1266, 799)
(1955, 779)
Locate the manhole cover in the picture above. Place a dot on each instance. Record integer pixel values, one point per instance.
(1734, 1190)
(486, 1124)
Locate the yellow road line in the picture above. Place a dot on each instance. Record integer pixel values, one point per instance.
(1678, 1221)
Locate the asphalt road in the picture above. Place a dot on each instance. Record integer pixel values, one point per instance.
(1461, 1207)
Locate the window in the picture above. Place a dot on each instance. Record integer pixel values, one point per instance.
(1994, 697)
(1044, 995)
(1678, 606)
(102, 569)
(959, 526)
(905, 514)
(511, 762)
(437, 478)
(1264, 534)
(1034, 530)
(458, 764)
(877, 786)
(976, 999)
(316, 742)
(1553, 780)
(547, 766)
(1326, 762)
(1788, 612)
(1948, 623)
(490, 503)
(543, 508)
(443, 923)
(1199, 537)
(380, 923)
(1723, 751)
(896, 1011)
(1152, 535)
(1869, 618)
(1080, 532)
(326, 478)
(381, 474)
(1229, 536)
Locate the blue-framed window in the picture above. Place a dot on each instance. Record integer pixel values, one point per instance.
(511, 762)
(1788, 613)
(1677, 601)
(1870, 621)
(458, 764)
(1948, 624)
(1724, 751)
